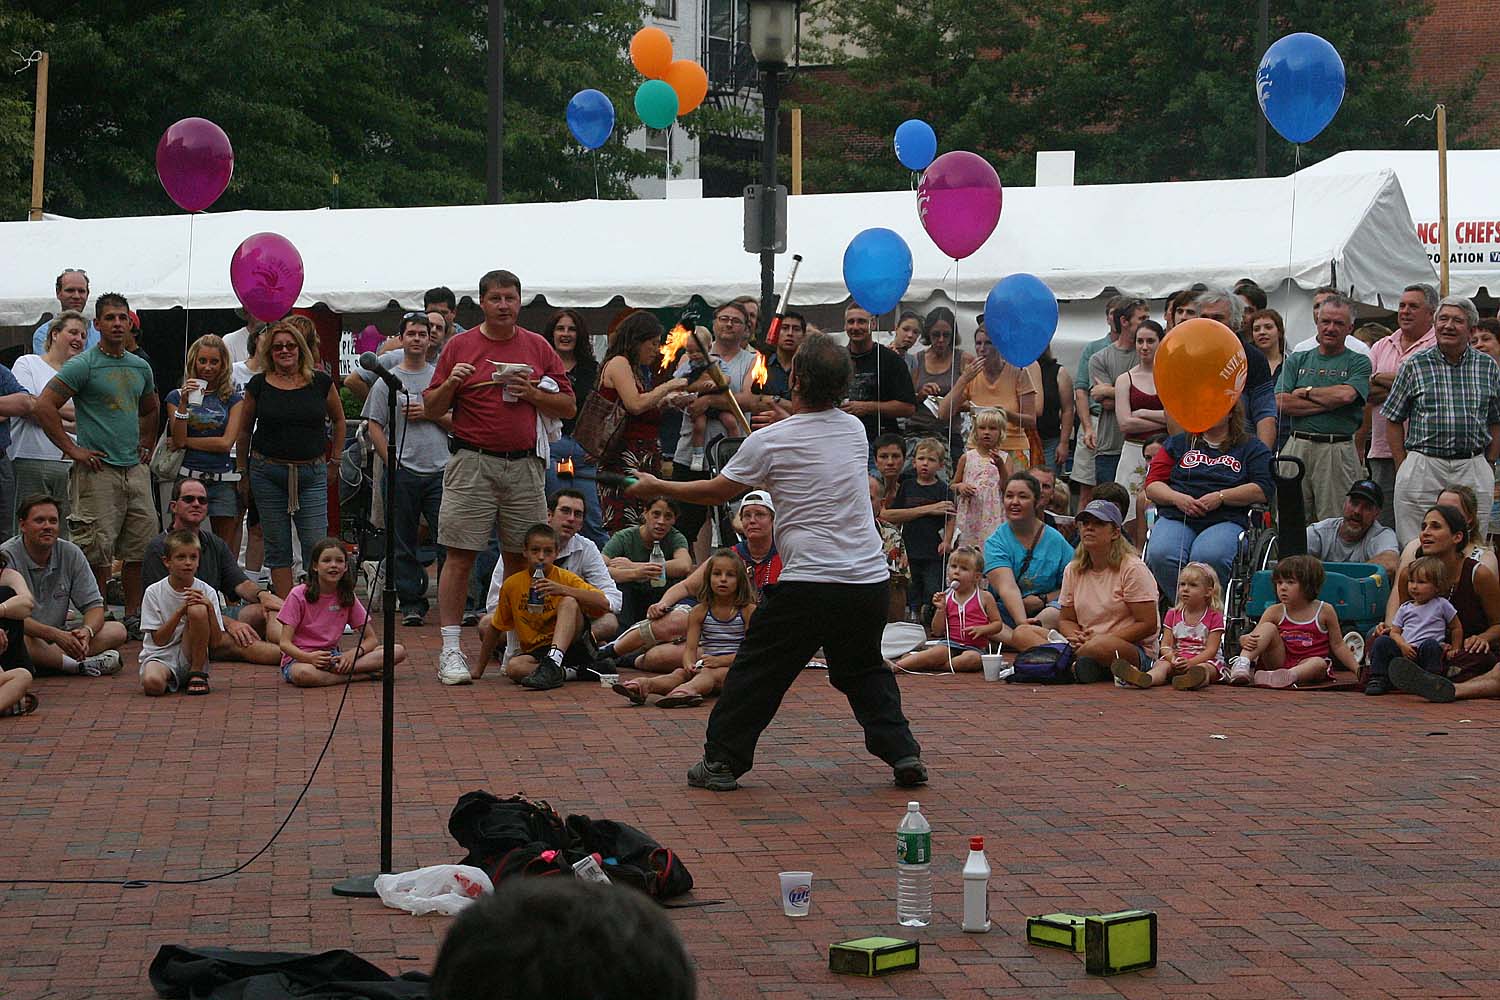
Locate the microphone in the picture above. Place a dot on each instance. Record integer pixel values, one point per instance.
(370, 362)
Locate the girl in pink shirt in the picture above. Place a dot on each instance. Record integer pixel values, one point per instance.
(1191, 634)
(314, 616)
(1299, 638)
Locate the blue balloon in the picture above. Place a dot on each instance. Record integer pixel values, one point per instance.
(916, 144)
(877, 269)
(591, 118)
(1020, 317)
(1300, 85)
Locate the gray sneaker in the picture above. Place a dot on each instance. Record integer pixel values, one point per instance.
(713, 776)
(100, 664)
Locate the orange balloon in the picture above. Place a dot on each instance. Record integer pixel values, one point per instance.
(1200, 372)
(691, 83)
(651, 51)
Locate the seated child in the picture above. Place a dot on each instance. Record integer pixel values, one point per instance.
(965, 615)
(313, 619)
(1425, 628)
(549, 609)
(180, 622)
(716, 627)
(1191, 634)
(1298, 639)
(16, 605)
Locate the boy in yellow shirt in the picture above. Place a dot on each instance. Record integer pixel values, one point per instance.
(549, 614)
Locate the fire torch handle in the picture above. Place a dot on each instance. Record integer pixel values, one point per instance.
(717, 377)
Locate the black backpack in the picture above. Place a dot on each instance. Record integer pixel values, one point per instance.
(1049, 663)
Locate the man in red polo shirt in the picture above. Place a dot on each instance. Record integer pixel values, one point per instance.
(495, 473)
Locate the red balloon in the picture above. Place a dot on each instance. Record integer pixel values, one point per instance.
(194, 161)
(958, 202)
(266, 274)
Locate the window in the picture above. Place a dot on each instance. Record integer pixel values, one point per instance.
(666, 9)
(727, 27)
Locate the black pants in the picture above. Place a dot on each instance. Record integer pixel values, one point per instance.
(847, 620)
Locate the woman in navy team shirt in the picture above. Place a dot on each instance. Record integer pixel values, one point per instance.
(1203, 485)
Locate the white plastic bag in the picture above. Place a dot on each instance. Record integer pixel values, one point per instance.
(435, 889)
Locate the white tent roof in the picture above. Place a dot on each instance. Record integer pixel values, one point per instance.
(1473, 205)
(1149, 239)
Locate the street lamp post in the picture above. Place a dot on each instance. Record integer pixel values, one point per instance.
(773, 38)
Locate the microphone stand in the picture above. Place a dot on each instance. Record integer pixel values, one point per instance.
(364, 885)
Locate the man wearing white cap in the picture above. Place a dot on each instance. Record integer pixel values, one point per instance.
(833, 589)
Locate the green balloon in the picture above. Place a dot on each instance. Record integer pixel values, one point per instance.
(656, 103)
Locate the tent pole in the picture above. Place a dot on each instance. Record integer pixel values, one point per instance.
(1442, 146)
(39, 139)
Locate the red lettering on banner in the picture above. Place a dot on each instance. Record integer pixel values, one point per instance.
(1195, 458)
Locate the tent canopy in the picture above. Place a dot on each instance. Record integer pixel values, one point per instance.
(1473, 206)
(1148, 239)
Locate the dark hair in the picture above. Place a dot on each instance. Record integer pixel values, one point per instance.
(660, 498)
(345, 591)
(540, 530)
(1491, 324)
(1151, 324)
(1433, 569)
(1128, 304)
(634, 330)
(743, 593)
(1457, 523)
(940, 313)
(822, 371)
(443, 294)
(738, 306)
(1274, 317)
(554, 937)
(108, 299)
(37, 500)
(177, 487)
(1030, 481)
(887, 440)
(792, 314)
(421, 321)
(1252, 292)
(1304, 570)
(181, 539)
(566, 491)
(499, 279)
(1115, 494)
(583, 350)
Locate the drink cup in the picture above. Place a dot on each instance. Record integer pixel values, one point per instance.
(796, 893)
(608, 680)
(992, 665)
(194, 389)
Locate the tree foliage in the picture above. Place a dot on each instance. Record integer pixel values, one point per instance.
(1143, 90)
(387, 95)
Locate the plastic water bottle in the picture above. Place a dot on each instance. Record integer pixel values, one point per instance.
(913, 869)
(659, 558)
(534, 601)
(976, 889)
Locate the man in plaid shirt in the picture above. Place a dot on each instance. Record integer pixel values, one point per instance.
(1451, 396)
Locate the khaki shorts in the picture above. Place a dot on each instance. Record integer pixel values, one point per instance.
(479, 488)
(113, 515)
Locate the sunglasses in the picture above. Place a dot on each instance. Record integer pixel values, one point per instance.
(73, 270)
(283, 347)
(188, 499)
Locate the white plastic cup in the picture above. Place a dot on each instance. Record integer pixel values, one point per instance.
(992, 664)
(608, 680)
(195, 389)
(796, 893)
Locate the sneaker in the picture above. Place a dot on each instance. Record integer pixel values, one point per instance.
(1193, 678)
(1241, 671)
(453, 668)
(713, 776)
(1409, 677)
(1087, 670)
(114, 591)
(1129, 676)
(133, 627)
(412, 619)
(909, 772)
(471, 618)
(548, 675)
(1273, 678)
(1356, 644)
(101, 664)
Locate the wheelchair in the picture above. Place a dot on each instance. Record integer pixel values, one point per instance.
(715, 457)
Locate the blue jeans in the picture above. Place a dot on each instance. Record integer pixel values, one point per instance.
(417, 496)
(1384, 649)
(582, 480)
(1174, 545)
(268, 482)
(1105, 467)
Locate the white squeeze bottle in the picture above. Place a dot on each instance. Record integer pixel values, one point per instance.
(913, 869)
(976, 888)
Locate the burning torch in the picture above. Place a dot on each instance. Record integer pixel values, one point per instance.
(773, 334)
(716, 376)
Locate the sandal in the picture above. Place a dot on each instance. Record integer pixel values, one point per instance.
(631, 690)
(674, 700)
(195, 683)
(25, 706)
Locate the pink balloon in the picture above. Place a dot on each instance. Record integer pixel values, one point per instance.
(959, 202)
(194, 161)
(266, 272)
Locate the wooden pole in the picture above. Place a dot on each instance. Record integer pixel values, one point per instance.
(1442, 144)
(39, 140)
(796, 151)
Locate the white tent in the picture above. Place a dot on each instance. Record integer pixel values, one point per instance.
(1147, 239)
(1473, 206)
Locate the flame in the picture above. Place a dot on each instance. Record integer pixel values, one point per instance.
(676, 341)
(758, 373)
(565, 467)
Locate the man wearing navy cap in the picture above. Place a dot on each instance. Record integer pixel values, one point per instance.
(1356, 536)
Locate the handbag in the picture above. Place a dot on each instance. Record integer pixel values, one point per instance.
(600, 425)
(166, 458)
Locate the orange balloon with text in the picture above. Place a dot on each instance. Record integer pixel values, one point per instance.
(1200, 373)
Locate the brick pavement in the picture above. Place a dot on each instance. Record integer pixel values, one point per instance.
(1332, 846)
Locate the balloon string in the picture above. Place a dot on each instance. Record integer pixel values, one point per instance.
(596, 173)
(188, 298)
(1292, 227)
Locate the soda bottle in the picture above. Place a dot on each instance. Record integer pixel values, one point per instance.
(659, 558)
(913, 869)
(535, 604)
(976, 888)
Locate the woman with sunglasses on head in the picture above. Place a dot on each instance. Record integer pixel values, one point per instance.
(203, 418)
(289, 408)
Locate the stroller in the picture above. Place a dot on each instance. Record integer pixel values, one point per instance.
(717, 455)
